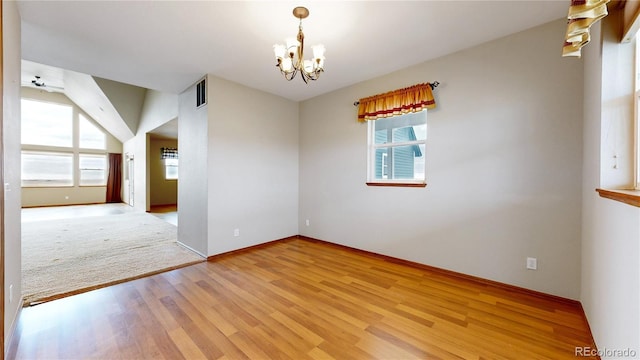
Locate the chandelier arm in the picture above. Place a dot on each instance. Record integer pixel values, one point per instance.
(290, 75)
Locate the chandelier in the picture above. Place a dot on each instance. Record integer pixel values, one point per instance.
(290, 56)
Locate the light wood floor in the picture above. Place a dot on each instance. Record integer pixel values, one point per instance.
(168, 213)
(299, 299)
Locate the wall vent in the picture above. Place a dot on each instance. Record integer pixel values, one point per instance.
(201, 93)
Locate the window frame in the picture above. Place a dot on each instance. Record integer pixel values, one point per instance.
(47, 122)
(74, 150)
(105, 170)
(169, 163)
(48, 183)
(372, 147)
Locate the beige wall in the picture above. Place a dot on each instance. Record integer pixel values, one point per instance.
(193, 177)
(66, 195)
(247, 179)
(252, 166)
(610, 230)
(158, 108)
(11, 165)
(163, 192)
(503, 166)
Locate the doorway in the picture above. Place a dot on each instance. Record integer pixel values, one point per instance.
(129, 176)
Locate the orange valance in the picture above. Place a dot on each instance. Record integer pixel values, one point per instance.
(402, 101)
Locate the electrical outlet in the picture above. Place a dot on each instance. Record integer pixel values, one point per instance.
(307, 222)
(236, 232)
(532, 263)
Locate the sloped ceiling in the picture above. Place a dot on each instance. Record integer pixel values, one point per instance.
(115, 106)
(127, 99)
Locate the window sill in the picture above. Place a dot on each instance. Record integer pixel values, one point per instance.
(630, 197)
(397, 184)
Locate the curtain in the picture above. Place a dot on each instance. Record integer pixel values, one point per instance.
(114, 178)
(582, 14)
(168, 153)
(412, 99)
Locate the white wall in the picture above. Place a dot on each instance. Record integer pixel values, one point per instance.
(163, 191)
(192, 176)
(158, 108)
(610, 230)
(66, 195)
(11, 164)
(253, 166)
(503, 166)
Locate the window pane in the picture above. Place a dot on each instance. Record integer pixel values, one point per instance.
(382, 136)
(400, 163)
(46, 124)
(47, 169)
(171, 172)
(410, 133)
(93, 170)
(91, 137)
(402, 128)
(171, 169)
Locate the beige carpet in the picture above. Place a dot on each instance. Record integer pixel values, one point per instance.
(70, 256)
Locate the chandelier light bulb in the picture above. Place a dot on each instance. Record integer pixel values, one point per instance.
(318, 51)
(279, 50)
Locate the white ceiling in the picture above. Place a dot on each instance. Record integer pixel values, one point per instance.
(169, 45)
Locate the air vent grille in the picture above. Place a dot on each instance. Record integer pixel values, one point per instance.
(201, 93)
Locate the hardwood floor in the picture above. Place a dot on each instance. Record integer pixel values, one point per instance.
(168, 213)
(300, 299)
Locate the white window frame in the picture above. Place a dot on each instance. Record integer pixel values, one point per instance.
(371, 156)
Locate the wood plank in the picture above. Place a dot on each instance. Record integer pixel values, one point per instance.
(300, 299)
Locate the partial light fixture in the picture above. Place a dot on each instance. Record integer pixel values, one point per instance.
(290, 56)
(37, 82)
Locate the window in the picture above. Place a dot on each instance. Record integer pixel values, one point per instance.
(171, 169)
(47, 169)
(91, 137)
(397, 149)
(93, 170)
(52, 136)
(46, 124)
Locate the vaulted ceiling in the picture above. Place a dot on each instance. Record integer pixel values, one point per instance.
(169, 45)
